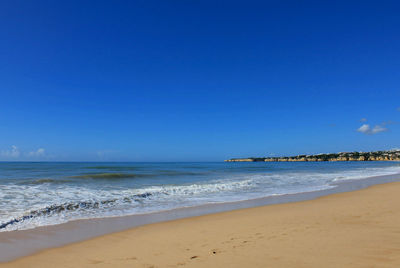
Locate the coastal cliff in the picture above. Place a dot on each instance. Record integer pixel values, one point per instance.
(392, 155)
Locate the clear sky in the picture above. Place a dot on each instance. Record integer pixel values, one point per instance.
(197, 80)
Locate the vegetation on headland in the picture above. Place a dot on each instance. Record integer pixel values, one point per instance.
(392, 155)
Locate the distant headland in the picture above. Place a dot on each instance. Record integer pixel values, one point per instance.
(392, 155)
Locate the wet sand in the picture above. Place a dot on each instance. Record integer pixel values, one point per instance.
(352, 229)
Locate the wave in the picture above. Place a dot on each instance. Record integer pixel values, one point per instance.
(126, 197)
(113, 168)
(56, 209)
(109, 176)
(179, 173)
(43, 181)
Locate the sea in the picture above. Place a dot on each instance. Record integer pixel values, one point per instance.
(34, 194)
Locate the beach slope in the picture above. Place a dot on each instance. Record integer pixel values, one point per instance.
(353, 229)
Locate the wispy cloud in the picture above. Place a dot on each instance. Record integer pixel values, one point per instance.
(37, 153)
(378, 129)
(366, 129)
(12, 153)
(15, 153)
(363, 120)
(389, 122)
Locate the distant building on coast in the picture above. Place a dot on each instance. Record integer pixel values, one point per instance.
(392, 155)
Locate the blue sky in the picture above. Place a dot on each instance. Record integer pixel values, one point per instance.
(197, 80)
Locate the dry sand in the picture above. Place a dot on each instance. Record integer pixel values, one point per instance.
(355, 229)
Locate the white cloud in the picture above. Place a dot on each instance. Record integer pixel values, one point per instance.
(38, 152)
(363, 120)
(366, 129)
(378, 129)
(13, 153)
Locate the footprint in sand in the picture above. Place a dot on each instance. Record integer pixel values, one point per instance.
(215, 251)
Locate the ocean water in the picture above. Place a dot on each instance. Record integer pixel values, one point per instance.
(38, 194)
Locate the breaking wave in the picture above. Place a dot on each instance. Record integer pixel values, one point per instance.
(55, 209)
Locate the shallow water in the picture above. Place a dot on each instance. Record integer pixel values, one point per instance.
(39, 194)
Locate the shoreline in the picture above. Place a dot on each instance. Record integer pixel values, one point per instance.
(347, 229)
(17, 244)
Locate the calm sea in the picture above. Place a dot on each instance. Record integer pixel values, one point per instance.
(37, 194)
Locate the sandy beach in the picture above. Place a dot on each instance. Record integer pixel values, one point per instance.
(353, 229)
